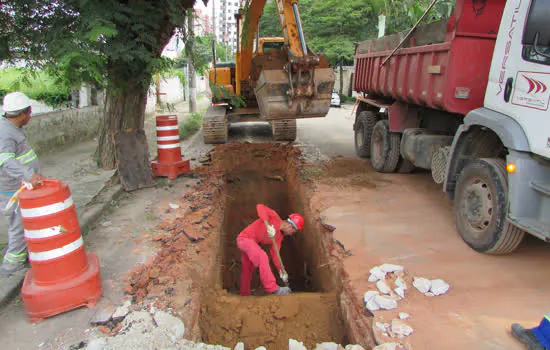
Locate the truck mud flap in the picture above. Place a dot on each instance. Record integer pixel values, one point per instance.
(274, 102)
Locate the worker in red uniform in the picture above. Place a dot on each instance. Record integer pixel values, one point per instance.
(259, 232)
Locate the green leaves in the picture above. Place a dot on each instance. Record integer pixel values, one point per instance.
(101, 31)
(333, 26)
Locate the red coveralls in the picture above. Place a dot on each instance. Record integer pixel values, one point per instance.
(253, 256)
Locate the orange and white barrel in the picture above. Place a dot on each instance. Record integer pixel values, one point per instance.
(169, 162)
(62, 276)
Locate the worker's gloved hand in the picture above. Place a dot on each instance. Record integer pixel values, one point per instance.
(36, 180)
(282, 291)
(284, 276)
(271, 231)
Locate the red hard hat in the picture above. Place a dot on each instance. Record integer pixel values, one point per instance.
(298, 220)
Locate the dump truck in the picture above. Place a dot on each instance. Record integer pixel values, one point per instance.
(275, 83)
(467, 98)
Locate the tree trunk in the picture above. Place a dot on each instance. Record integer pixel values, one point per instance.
(124, 110)
(341, 76)
(191, 69)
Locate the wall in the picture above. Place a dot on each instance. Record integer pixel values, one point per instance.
(51, 131)
(348, 71)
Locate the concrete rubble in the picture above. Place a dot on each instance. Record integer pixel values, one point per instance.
(122, 328)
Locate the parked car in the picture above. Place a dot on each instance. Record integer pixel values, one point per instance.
(335, 100)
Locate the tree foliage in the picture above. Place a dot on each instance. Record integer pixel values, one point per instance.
(116, 43)
(202, 52)
(334, 26)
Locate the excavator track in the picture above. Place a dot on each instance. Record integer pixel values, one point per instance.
(215, 126)
(214, 132)
(284, 129)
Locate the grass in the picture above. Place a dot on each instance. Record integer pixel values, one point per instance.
(190, 125)
(36, 84)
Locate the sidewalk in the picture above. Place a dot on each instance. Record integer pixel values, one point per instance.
(77, 167)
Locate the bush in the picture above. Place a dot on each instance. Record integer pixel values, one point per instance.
(190, 125)
(38, 86)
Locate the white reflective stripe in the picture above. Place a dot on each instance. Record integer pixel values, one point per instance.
(173, 145)
(168, 138)
(56, 253)
(166, 128)
(45, 233)
(47, 210)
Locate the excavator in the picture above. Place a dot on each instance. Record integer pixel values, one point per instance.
(279, 81)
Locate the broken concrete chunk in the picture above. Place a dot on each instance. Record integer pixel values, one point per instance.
(372, 278)
(173, 327)
(385, 302)
(422, 284)
(387, 346)
(354, 347)
(383, 287)
(377, 273)
(97, 344)
(328, 346)
(387, 268)
(173, 206)
(239, 346)
(400, 282)
(400, 291)
(120, 313)
(103, 315)
(369, 295)
(372, 305)
(295, 345)
(439, 287)
(404, 315)
(399, 327)
(381, 326)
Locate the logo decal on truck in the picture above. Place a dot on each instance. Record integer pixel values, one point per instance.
(531, 90)
(535, 84)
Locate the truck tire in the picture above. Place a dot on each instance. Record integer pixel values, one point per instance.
(363, 132)
(385, 148)
(481, 208)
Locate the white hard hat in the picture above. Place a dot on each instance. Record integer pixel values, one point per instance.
(15, 101)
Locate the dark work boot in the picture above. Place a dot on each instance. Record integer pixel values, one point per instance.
(526, 336)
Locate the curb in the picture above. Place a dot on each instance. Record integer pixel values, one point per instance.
(11, 286)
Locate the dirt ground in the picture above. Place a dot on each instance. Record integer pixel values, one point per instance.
(407, 220)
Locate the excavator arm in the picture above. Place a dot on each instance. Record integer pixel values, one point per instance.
(296, 83)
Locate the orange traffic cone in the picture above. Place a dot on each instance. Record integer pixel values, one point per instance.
(170, 162)
(62, 276)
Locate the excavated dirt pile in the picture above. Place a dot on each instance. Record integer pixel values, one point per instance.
(196, 272)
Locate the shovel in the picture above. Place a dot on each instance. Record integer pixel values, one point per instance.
(280, 260)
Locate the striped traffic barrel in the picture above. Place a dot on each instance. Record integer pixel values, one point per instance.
(62, 276)
(169, 162)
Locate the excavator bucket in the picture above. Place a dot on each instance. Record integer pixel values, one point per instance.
(274, 101)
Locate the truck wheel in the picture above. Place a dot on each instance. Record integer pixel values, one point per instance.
(363, 132)
(481, 208)
(385, 148)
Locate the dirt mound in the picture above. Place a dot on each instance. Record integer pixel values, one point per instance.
(270, 320)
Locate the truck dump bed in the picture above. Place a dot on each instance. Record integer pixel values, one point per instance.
(443, 65)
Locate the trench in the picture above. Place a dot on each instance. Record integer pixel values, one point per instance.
(312, 313)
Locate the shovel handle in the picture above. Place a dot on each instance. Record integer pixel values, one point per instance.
(279, 256)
